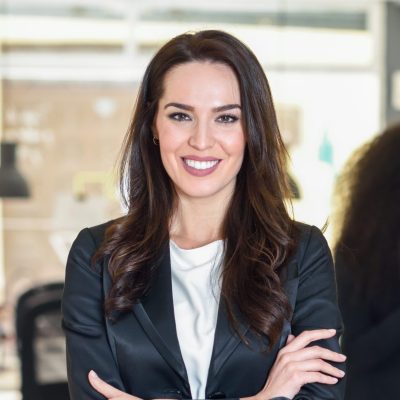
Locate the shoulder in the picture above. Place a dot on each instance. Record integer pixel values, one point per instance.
(312, 250)
(309, 238)
(98, 232)
(84, 290)
(92, 237)
(87, 243)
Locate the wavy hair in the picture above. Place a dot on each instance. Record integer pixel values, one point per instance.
(368, 193)
(258, 233)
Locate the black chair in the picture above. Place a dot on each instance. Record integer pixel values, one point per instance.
(41, 343)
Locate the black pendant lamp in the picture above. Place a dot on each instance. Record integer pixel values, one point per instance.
(12, 183)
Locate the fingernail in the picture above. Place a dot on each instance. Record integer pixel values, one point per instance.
(93, 374)
(342, 356)
(332, 330)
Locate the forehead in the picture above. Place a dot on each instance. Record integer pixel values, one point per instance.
(199, 81)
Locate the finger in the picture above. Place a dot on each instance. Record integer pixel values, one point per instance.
(306, 337)
(314, 352)
(290, 338)
(103, 387)
(318, 377)
(319, 366)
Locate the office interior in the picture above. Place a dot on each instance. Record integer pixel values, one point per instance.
(69, 74)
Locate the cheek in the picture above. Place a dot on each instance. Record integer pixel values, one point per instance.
(169, 150)
(169, 134)
(234, 143)
(169, 144)
(166, 151)
(165, 136)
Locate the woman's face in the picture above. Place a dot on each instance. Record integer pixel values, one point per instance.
(198, 124)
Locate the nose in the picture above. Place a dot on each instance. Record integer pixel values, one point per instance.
(202, 137)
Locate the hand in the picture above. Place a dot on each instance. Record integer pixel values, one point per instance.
(297, 365)
(108, 391)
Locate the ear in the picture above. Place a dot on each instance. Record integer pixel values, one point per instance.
(154, 131)
(153, 127)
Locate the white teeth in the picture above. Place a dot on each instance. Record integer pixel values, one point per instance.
(200, 164)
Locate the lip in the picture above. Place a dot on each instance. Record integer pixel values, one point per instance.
(197, 158)
(200, 172)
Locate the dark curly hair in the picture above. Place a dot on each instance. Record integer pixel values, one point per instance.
(368, 233)
(258, 233)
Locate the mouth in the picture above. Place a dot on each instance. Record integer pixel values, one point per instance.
(200, 167)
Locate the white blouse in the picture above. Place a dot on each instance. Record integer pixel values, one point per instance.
(196, 292)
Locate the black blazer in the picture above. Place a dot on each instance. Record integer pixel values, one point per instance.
(140, 353)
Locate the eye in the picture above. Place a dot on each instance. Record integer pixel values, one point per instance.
(227, 118)
(179, 116)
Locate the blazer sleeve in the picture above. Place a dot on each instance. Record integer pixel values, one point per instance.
(316, 308)
(87, 344)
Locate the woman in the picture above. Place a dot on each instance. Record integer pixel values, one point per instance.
(210, 290)
(368, 265)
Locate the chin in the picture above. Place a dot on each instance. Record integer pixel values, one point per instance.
(197, 192)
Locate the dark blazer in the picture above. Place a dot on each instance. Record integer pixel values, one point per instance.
(140, 353)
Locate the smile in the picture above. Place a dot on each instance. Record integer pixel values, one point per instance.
(200, 165)
(197, 167)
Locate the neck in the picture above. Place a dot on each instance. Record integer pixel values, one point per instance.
(197, 222)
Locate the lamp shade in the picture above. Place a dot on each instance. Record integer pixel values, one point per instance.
(12, 183)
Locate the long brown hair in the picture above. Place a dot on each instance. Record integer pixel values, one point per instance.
(258, 232)
(368, 223)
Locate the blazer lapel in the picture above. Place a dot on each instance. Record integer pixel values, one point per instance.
(225, 340)
(155, 313)
(289, 276)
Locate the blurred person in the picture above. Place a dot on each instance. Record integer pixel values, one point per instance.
(206, 288)
(367, 256)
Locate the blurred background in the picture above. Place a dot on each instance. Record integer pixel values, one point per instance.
(69, 73)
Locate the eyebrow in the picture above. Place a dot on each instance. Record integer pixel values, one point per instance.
(191, 108)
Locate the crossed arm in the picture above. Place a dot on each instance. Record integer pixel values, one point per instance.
(295, 366)
(300, 371)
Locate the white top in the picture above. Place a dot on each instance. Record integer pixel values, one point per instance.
(196, 293)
